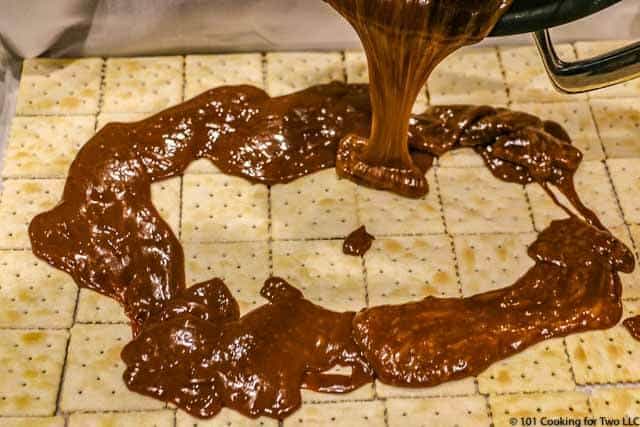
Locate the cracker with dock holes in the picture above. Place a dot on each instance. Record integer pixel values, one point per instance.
(357, 72)
(615, 402)
(508, 407)
(288, 72)
(315, 206)
(576, 118)
(476, 202)
(404, 269)
(45, 146)
(525, 75)
(542, 367)
(226, 417)
(625, 174)
(204, 72)
(20, 201)
(59, 86)
(464, 387)
(123, 419)
(343, 414)
(97, 308)
(487, 262)
(34, 294)
(322, 272)
(106, 118)
(469, 76)
(468, 411)
(57, 421)
(30, 367)
(93, 374)
(221, 207)
(242, 266)
(608, 356)
(592, 49)
(142, 85)
(594, 189)
(384, 213)
(618, 122)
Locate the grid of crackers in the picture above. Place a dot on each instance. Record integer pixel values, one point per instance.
(60, 346)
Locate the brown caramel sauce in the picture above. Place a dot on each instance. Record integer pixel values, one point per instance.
(358, 242)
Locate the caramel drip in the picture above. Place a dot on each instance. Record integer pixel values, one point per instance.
(633, 326)
(404, 40)
(358, 242)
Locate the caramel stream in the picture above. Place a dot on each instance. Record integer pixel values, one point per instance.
(190, 345)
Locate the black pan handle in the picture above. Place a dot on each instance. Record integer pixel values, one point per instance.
(528, 16)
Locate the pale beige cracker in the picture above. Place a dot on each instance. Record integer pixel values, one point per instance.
(615, 403)
(20, 201)
(204, 72)
(608, 356)
(577, 120)
(243, 266)
(525, 75)
(165, 196)
(384, 213)
(57, 421)
(625, 174)
(591, 49)
(475, 201)
(470, 411)
(315, 206)
(223, 208)
(594, 189)
(322, 272)
(406, 269)
(618, 122)
(288, 72)
(630, 282)
(142, 85)
(59, 86)
(122, 419)
(356, 66)
(552, 406)
(34, 294)
(347, 414)
(487, 262)
(469, 76)
(93, 374)
(464, 387)
(225, 418)
(45, 146)
(105, 118)
(30, 368)
(97, 308)
(543, 367)
(357, 72)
